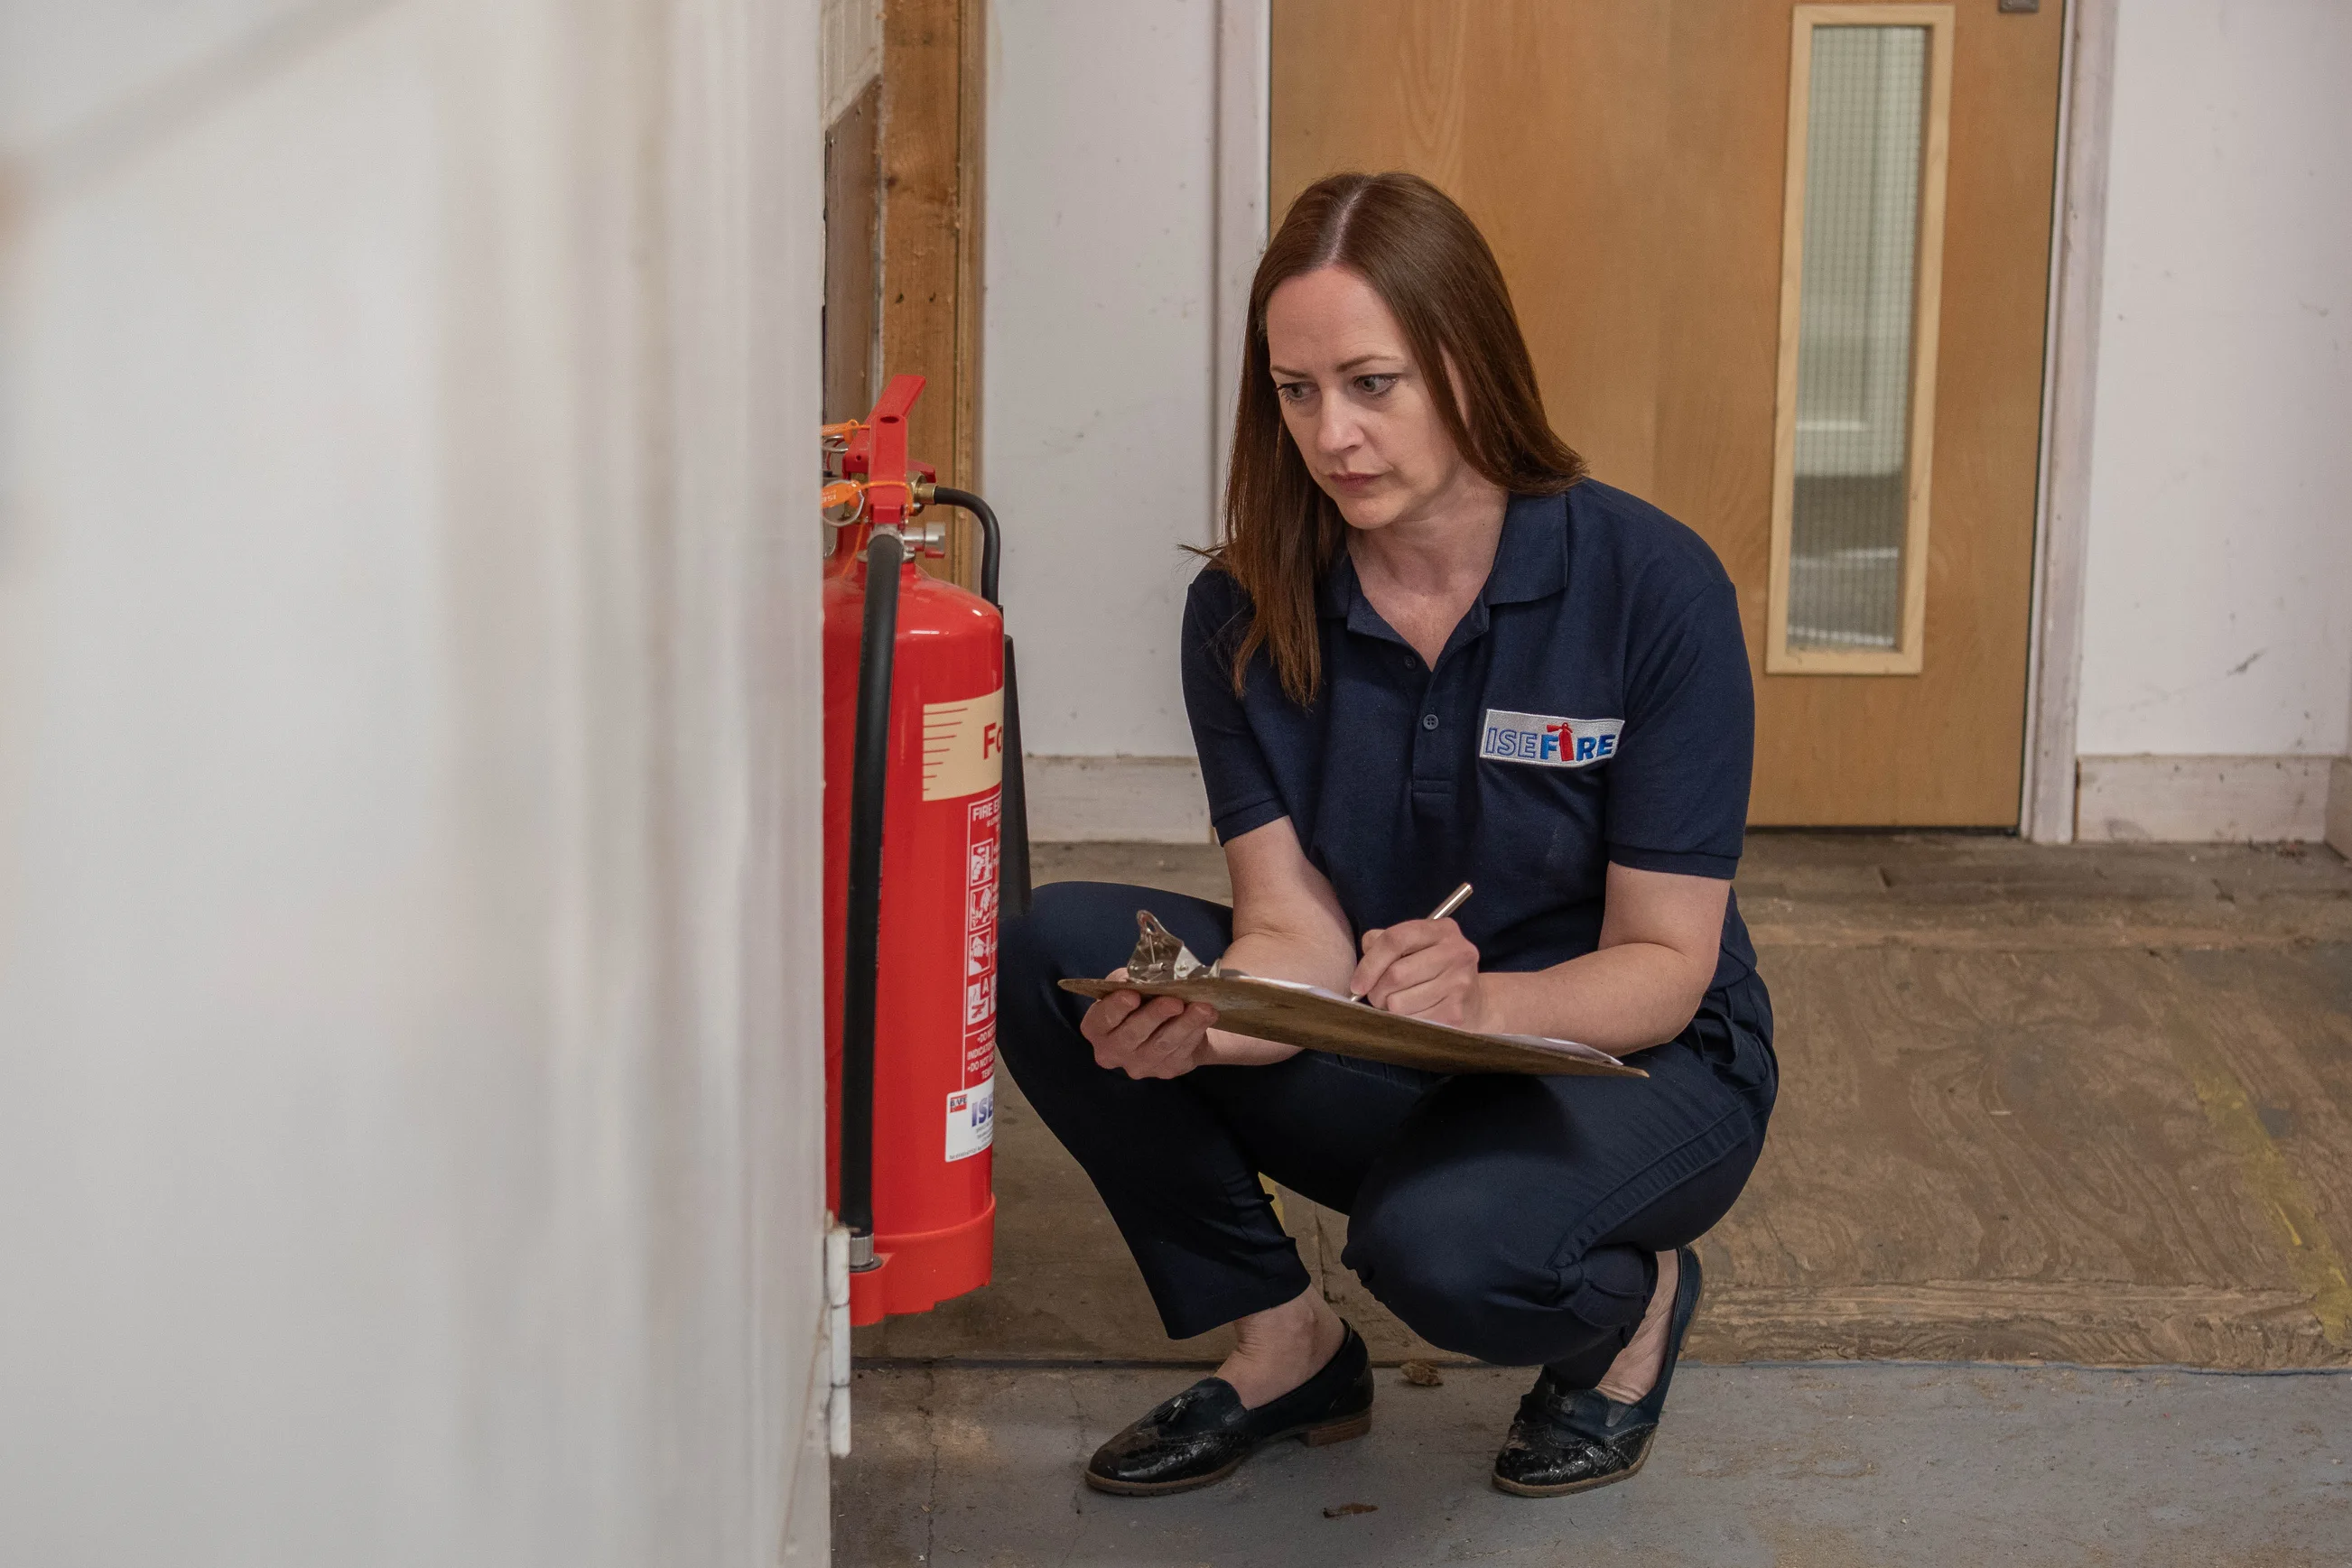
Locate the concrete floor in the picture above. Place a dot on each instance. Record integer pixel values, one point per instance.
(1821, 1466)
(2088, 1105)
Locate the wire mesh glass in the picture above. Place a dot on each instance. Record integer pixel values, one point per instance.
(1865, 126)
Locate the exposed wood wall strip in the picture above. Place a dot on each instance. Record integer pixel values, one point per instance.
(852, 255)
(972, 141)
(933, 69)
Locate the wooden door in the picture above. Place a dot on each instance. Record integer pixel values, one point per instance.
(1649, 172)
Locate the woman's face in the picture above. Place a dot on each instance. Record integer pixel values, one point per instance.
(1357, 406)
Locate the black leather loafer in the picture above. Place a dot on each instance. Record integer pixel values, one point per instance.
(1573, 1440)
(1203, 1434)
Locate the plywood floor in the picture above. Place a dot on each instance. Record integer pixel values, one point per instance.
(2089, 1104)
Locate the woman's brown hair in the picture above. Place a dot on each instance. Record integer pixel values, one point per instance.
(1431, 266)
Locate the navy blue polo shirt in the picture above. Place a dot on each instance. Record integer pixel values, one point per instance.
(1593, 706)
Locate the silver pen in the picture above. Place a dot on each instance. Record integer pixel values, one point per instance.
(1448, 906)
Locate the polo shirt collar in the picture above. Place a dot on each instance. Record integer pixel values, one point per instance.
(1531, 563)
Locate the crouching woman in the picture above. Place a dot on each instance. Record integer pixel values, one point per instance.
(1427, 651)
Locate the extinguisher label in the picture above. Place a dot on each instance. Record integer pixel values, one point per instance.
(980, 890)
(971, 1120)
(963, 747)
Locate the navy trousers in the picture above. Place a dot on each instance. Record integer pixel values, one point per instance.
(1508, 1218)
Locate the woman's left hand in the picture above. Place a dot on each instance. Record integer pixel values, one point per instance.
(1423, 968)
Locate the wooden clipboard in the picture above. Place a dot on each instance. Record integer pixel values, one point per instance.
(1290, 1013)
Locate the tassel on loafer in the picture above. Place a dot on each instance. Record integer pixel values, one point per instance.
(1571, 1440)
(1203, 1434)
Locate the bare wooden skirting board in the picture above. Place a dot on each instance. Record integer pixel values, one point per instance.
(1304, 1016)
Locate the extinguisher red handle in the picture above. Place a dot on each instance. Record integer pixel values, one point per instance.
(886, 454)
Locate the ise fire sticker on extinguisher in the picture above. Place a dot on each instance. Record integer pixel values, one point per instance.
(971, 1120)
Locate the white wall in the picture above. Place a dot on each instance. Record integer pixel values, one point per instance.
(410, 1129)
(1097, 438)
(2218, 612)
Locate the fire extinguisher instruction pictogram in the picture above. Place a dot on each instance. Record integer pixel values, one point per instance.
(981, 887)
(972, 1110)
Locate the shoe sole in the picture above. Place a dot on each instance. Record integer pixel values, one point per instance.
(1313, 1436)
(1520, 1489)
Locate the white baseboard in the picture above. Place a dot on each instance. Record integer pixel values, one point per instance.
(2203, 799)
(1083, 800)
(2339, 807)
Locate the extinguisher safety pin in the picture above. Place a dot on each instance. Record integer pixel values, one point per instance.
(841, 494)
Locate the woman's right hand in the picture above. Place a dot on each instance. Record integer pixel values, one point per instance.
(1154, 1037)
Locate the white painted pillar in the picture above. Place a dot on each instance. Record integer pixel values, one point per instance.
(410, 1085)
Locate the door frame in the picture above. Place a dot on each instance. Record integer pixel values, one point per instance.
(2053, 666)
(2069, 375)
(1244, 128)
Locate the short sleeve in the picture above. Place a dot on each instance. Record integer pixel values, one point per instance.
(1241, 786)
(1678, 794)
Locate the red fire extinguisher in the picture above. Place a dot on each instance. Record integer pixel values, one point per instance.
(926, 845)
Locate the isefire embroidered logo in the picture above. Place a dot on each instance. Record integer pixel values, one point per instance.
(1549, 742)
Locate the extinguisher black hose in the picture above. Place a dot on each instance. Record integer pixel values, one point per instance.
(869, 771)
(1013, 888)
(992, 538)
